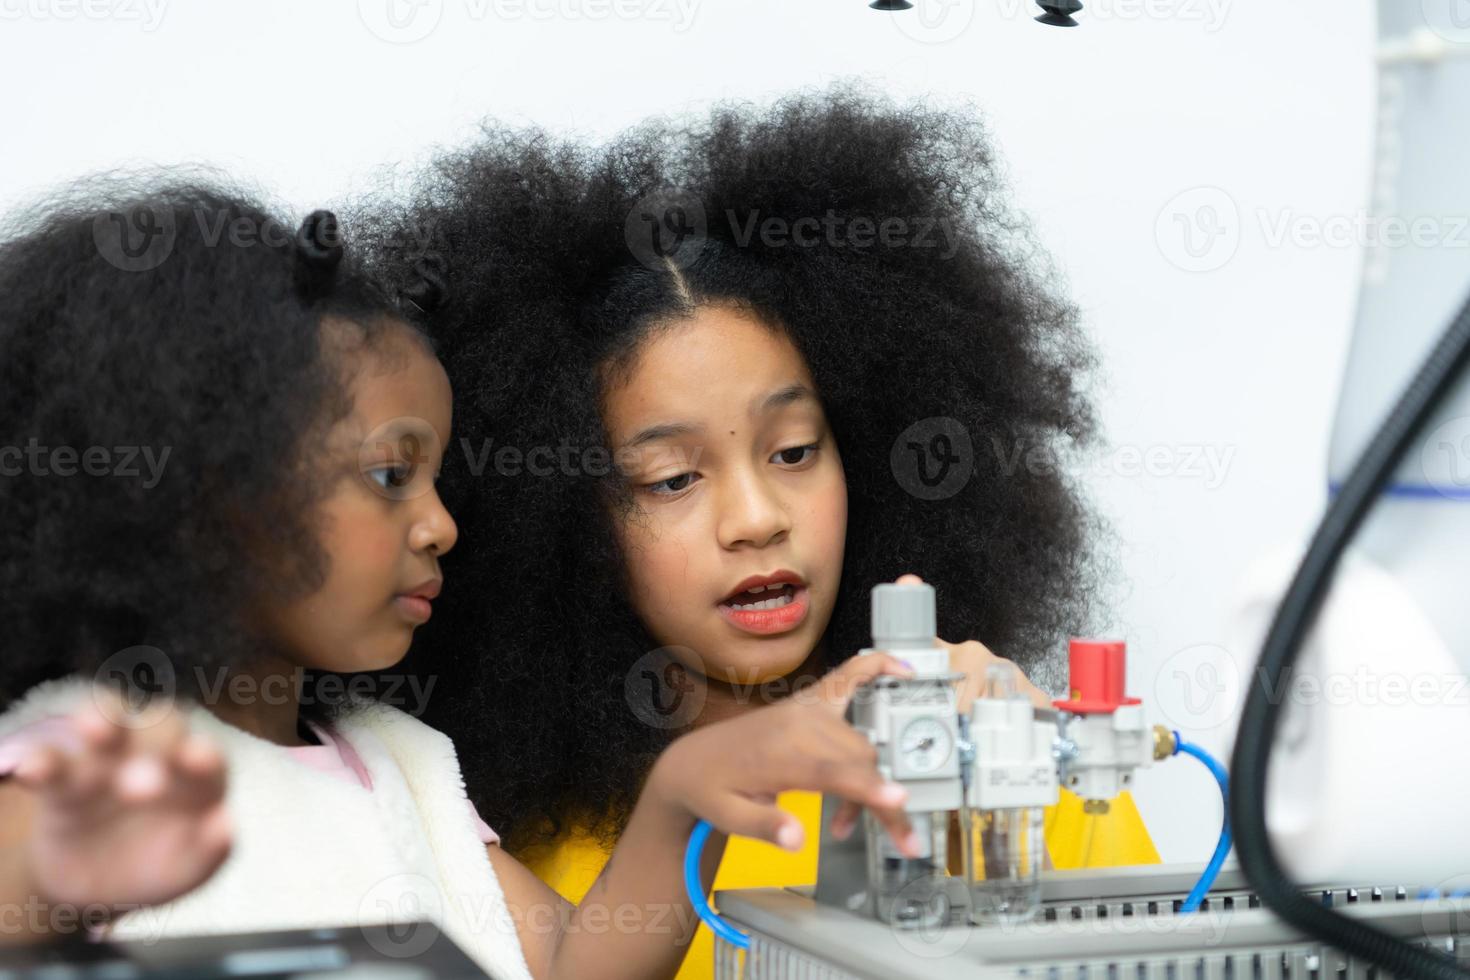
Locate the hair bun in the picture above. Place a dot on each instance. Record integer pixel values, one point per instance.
(318, 253)
(427, 287)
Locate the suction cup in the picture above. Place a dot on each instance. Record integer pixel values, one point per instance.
(1058, 13)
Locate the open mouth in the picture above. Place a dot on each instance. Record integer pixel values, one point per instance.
(764, 609)
(762, 597)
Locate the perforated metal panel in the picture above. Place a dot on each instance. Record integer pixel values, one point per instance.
(1105, 926)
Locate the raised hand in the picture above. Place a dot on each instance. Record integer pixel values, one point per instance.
(135, 816)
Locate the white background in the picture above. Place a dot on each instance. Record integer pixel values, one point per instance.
(1266, 105)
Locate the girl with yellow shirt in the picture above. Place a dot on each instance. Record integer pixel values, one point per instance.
(720, 377)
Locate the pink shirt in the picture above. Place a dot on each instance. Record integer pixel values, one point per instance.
(334, 756)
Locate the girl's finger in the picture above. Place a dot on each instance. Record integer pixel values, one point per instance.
(44, 769)
(162, 736)
(215, 832)
(89, 772)
(201, 768)
(855, 781)
(844, 822)
(141, 778)
(838, 687)
(742, 816)
(896, 823)
(98, 733)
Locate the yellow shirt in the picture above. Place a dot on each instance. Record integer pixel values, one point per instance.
(1074, 839)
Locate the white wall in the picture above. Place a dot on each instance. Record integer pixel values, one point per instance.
(1268, 105)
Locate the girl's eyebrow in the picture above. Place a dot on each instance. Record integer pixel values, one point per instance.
(663, 430)
(781, 397)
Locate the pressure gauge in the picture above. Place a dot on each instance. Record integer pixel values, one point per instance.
(925, 745)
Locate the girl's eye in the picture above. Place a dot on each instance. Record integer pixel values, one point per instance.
(672, 485)
(804, 453)
(392, 477)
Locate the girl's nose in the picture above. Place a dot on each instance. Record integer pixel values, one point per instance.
(752, 516)
(435, 531)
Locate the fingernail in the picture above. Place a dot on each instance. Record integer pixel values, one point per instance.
(141, 776)
(892, 793)
(911, 843)
(789, 836)
(909, 665)
(841, 831)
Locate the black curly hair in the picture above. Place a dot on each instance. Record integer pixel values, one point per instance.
(163, 384)
(545, 280)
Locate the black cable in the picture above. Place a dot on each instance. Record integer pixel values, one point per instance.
(1294, 619)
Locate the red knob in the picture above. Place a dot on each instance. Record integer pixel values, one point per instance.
(1097, 669)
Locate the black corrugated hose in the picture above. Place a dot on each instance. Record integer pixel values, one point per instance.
(1294, 618)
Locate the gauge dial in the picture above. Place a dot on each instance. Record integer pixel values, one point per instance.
(925, 745)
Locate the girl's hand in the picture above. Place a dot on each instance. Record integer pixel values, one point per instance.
(729, 773)
(974, 659)
(136, 817)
